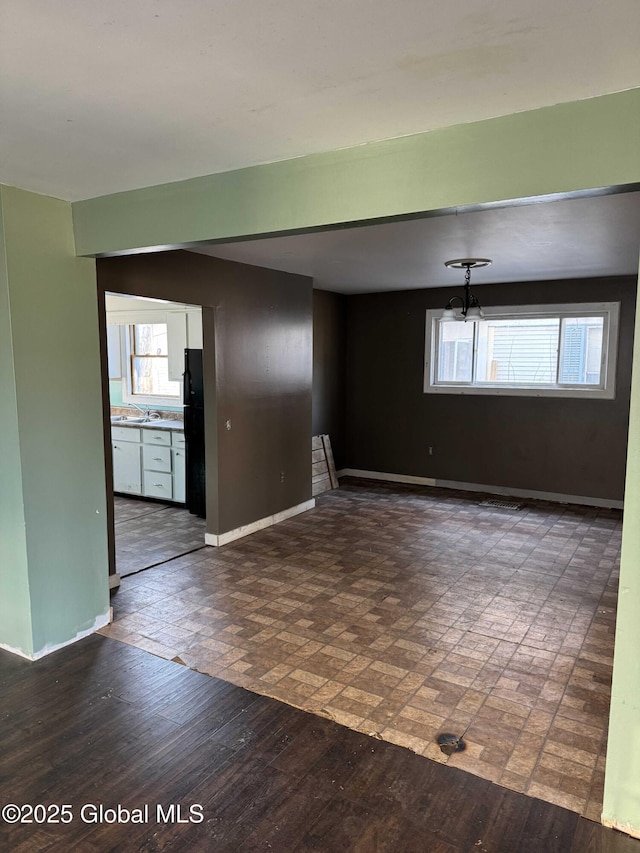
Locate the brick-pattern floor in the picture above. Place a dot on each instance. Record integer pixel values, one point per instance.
(149, 532)
(407, 612)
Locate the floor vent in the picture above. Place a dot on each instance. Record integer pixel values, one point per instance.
(451, 743)
(501, 504)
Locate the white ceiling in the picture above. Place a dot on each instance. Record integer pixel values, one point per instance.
(573, 238)
(99, 96)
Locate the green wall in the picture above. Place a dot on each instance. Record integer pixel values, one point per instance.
(54, 580)
(15, 606)
(115, 392)
(567, 148)
(622, 780)
(115, 398)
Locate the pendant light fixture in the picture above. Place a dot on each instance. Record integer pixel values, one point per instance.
(469, 305)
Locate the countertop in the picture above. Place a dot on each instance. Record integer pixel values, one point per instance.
(161, 423)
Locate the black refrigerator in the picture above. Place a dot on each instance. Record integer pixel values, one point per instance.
(194, 431)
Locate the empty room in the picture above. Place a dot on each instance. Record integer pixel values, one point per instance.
(321, 421)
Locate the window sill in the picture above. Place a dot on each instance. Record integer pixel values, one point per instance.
(497, 391)
(150, 402)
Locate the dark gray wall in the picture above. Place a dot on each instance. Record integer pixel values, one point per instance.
(257, 332)
(567, 446)
(329, 369)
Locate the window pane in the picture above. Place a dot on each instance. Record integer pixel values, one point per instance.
(523, 352)
(150, 339)
(151, 376)
(581, 351)
(455, 358)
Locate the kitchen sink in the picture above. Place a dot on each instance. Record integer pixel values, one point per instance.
(143, 419)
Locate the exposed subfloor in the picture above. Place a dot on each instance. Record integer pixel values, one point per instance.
(405, 612)
(151, 532)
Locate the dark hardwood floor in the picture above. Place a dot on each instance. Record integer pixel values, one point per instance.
(103, 723)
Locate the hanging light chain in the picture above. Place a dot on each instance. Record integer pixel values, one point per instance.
(470, 305)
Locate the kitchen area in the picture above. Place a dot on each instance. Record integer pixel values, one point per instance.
(156, 395)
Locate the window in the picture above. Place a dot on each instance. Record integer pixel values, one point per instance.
(542, 350)
(149, 363)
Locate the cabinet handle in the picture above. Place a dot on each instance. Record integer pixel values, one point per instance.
(157, 458)
(158, 485)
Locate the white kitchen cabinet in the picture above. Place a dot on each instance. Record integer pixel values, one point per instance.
(119, 433)
(178, 439)
(157, 484)
(176, 343)
(127, 472)
(114, 352)
(149, 462)
(194, 327)
(158, 437)
(179, 475)
(156, 458)
(157, 475)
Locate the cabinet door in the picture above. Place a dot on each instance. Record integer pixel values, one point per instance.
(114, 357)
(179, 476)
(177, 438)
(176, 343)
(194, 327)
(127, 475)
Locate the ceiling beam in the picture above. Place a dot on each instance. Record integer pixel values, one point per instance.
(556, 151)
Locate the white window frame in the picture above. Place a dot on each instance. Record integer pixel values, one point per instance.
(610, 311)
(128, 396)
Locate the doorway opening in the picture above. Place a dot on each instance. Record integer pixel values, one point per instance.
(156, 423)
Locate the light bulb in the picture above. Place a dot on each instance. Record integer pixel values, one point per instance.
(474, 313)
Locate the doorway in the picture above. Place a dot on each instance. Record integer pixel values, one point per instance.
(153, 458)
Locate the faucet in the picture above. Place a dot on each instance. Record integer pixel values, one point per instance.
(152, 416)
(142, 411)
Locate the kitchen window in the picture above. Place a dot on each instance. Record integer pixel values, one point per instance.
(148, 360)
(543, 350)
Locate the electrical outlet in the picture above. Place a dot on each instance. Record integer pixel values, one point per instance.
(431, 451)
(282, 476)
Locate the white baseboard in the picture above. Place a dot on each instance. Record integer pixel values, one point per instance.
(100, 622)
(390, 478)
(114, 581)
(216, 539)
(556, 497)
